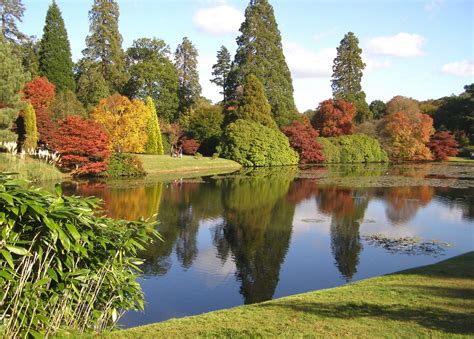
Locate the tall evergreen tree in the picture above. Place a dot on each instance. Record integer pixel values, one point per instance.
(153, 74)
(91, 85)
(221, 70)
(12, 80)
(347, 76)
(253, 104)
(55, 61)
(104, 44)
(260, 52)
(29, 118)
(188, 77)
(11, 12)
(154, 144)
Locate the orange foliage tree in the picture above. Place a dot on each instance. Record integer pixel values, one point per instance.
(443, 145)
(405, 135)
(125, 121)
(334, 118)
(40, 93)
(302, 137)
(83, 146)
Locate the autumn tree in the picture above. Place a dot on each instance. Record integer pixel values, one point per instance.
(260, 52)
(125, 121)
(104, 44)
(334, 118)
(11, 82)
(221, 70)
(405, 135)
(443, 145)
(253, 104)
(153, 74)
(302, 137)
(55, 61)
(400, 103)
(186, 62)
(11, 12)
(83, 145)
(31, 132)
(378, 109)
(154, 143)
(347, 75)
(40, 93)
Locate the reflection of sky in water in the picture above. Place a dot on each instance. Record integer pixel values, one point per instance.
(250, 239)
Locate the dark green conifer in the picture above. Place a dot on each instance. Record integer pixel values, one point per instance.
(260, 52)
(221, 70)
(347, 76)
(55, 61)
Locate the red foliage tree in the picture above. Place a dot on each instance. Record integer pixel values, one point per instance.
(83, 146)
(40, 93)
(302, 137)
(190, 146)
(443, 145)
(334, 118)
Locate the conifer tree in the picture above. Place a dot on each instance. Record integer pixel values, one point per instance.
(188, 77)
(154, 144)
(29, 118)
(221, 70)
(347, 76)
(11, 82)
(104, 44)
(91, 85)
(253, 104)
(11, 12)
(260, 52)
(55, 61)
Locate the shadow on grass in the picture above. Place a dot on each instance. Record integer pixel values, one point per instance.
(428, 317)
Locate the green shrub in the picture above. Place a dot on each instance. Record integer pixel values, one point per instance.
(166, 143)
(62, 264)
(215, 156)
(254, 145)
(125, 165)
(356, 148)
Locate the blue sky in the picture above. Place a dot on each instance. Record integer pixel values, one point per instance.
(418, 48)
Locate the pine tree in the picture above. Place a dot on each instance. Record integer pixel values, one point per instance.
(253, 104)
(11, 11)
(154, 144)
(260, 52)
(29, 118)
(91, 85)
(347, 76)
(55, 61)
(221, 70)
(11, 82)
(188, 77)
(104, 44)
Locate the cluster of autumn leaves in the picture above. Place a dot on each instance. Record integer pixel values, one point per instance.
(115, 124)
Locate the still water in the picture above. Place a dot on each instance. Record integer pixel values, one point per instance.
(255, 235)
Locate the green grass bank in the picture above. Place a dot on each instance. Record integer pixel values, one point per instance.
(430, 301)
(160, 164)
(457, 159)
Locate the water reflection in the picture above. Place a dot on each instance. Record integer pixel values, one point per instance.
(241, 225)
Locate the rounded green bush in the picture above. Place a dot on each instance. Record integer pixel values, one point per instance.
(254, 145)
(124, 165)
(356, 148)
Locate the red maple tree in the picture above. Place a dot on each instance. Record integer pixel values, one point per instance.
(83, 145)
(302, 137)
(443, 145)
(40, 93)
(190, 146)
(334, 118)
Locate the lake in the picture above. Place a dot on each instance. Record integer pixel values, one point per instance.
(255, 235)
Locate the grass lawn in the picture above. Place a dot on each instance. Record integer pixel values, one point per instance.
(457, 159)
(431, 301)
(158, 164)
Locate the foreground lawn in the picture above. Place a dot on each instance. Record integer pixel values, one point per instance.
(435, 300)
(457, 159)
(158, 164)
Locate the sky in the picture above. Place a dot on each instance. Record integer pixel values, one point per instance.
(422, 49)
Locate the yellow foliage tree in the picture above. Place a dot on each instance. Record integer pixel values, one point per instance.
(155, 142)
(125, 122)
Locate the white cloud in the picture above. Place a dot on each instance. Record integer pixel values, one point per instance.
(372, 64)
(218, 20)
(433, 6)
(464, 68)
(325, 34)
(209, 89)
(306, 64)
(401, 45)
